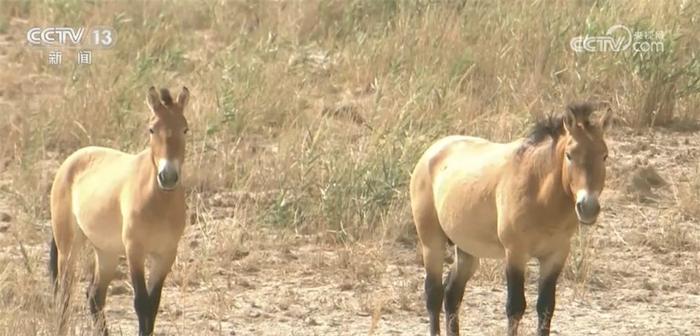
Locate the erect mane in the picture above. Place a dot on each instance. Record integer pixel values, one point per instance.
(552, 126)
(166, 97)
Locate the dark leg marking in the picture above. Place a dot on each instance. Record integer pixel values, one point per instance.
(154, 293)
(142, 303)
(454, 291)
(460, 272)
(433, 301)
(515, 303)
(546, 301)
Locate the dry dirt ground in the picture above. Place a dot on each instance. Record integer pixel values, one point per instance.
(635, 273)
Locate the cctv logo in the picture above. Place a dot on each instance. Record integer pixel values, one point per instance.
(101, 37)
(55, 36)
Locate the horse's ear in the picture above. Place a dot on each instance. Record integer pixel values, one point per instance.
(607, 119)
(569, 119)
(153, 100)
(183, 97)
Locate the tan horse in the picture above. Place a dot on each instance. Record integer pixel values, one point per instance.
(515, 200)
(123, 204)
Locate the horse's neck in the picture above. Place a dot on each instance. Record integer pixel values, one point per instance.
(546, 173)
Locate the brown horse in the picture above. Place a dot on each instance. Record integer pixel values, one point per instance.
(515, 200)
(122, 204)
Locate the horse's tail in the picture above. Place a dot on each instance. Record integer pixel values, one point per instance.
(53, 261)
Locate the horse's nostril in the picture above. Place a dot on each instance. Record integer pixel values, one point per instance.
(588, 208)
(168, 178)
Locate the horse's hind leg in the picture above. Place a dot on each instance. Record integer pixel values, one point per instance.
(62, 290)
(461, 271)
(432, 240)
(105, 269)
(65, 247)
(433, 258)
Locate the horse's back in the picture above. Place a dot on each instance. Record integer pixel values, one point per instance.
(88, 186)
(89, 161)
(459, 156)
(455, 153)
(459, 176)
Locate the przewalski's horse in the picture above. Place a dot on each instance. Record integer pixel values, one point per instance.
(122, 204)
(515, 200)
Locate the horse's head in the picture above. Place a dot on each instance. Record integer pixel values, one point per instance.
(584, 158)
(167, 129)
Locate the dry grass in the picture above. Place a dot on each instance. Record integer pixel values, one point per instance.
(689, 195)
(307, 117)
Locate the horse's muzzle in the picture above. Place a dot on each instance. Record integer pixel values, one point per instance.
(168, 175)
(587, 208)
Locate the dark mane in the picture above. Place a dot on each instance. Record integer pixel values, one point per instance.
(552, 126)
(166, 97)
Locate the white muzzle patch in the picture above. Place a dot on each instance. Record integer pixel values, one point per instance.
(587, 206)
(168, 174)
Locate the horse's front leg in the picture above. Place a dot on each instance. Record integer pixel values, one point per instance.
(515, 280)
(550, 268)
(136, 258)
(159, 269)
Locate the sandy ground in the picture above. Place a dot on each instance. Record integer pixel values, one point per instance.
(636, 273)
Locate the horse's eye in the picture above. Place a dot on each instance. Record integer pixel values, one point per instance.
(150, 130)
(186, 130)
(605, 157)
